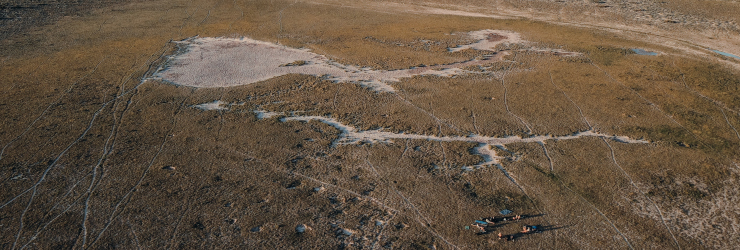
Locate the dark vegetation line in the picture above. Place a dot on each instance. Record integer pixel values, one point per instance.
(19, 16)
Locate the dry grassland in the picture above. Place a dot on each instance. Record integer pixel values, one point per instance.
(96, 156)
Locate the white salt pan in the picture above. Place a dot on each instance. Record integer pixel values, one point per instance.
(223, 62)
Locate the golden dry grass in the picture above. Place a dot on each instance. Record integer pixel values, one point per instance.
(98, 158)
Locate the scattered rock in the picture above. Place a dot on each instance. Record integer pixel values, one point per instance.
(230, 220)
(171, 168)
(198, 225)
(318, 189)
(388, 245)
(344, 231)
(401, 226)
(379, 223)
(302, 228)
(228, 204)
(294, 184)
(335, 213)
(335, 200)
(255, 229)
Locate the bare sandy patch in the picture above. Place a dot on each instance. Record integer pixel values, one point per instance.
(489, 39)
(215, 105)
(262, 114)
(224, 62)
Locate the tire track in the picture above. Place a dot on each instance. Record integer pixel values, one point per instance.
(728, 123)
(78, 139)
(382, 228)
(23, 214)
(506, 99)
(128, 196)
(521, 188)
(136, 237)
(61, 95)
(107, 149)
(60, 155)
(580, 111)
(110, 143)
(721, 106)
(43, 227)
(650, 103)
(106, 152)
(95, 115)
(594, 207)
(549, 159)
(413, 207)
(529, 129)
(150, 64)
(439, 121)
(174, 231)
(614, 159)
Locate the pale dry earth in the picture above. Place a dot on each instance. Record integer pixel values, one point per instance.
(369, 124)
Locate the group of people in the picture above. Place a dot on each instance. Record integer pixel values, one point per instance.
(483, 224)
(525, 230)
